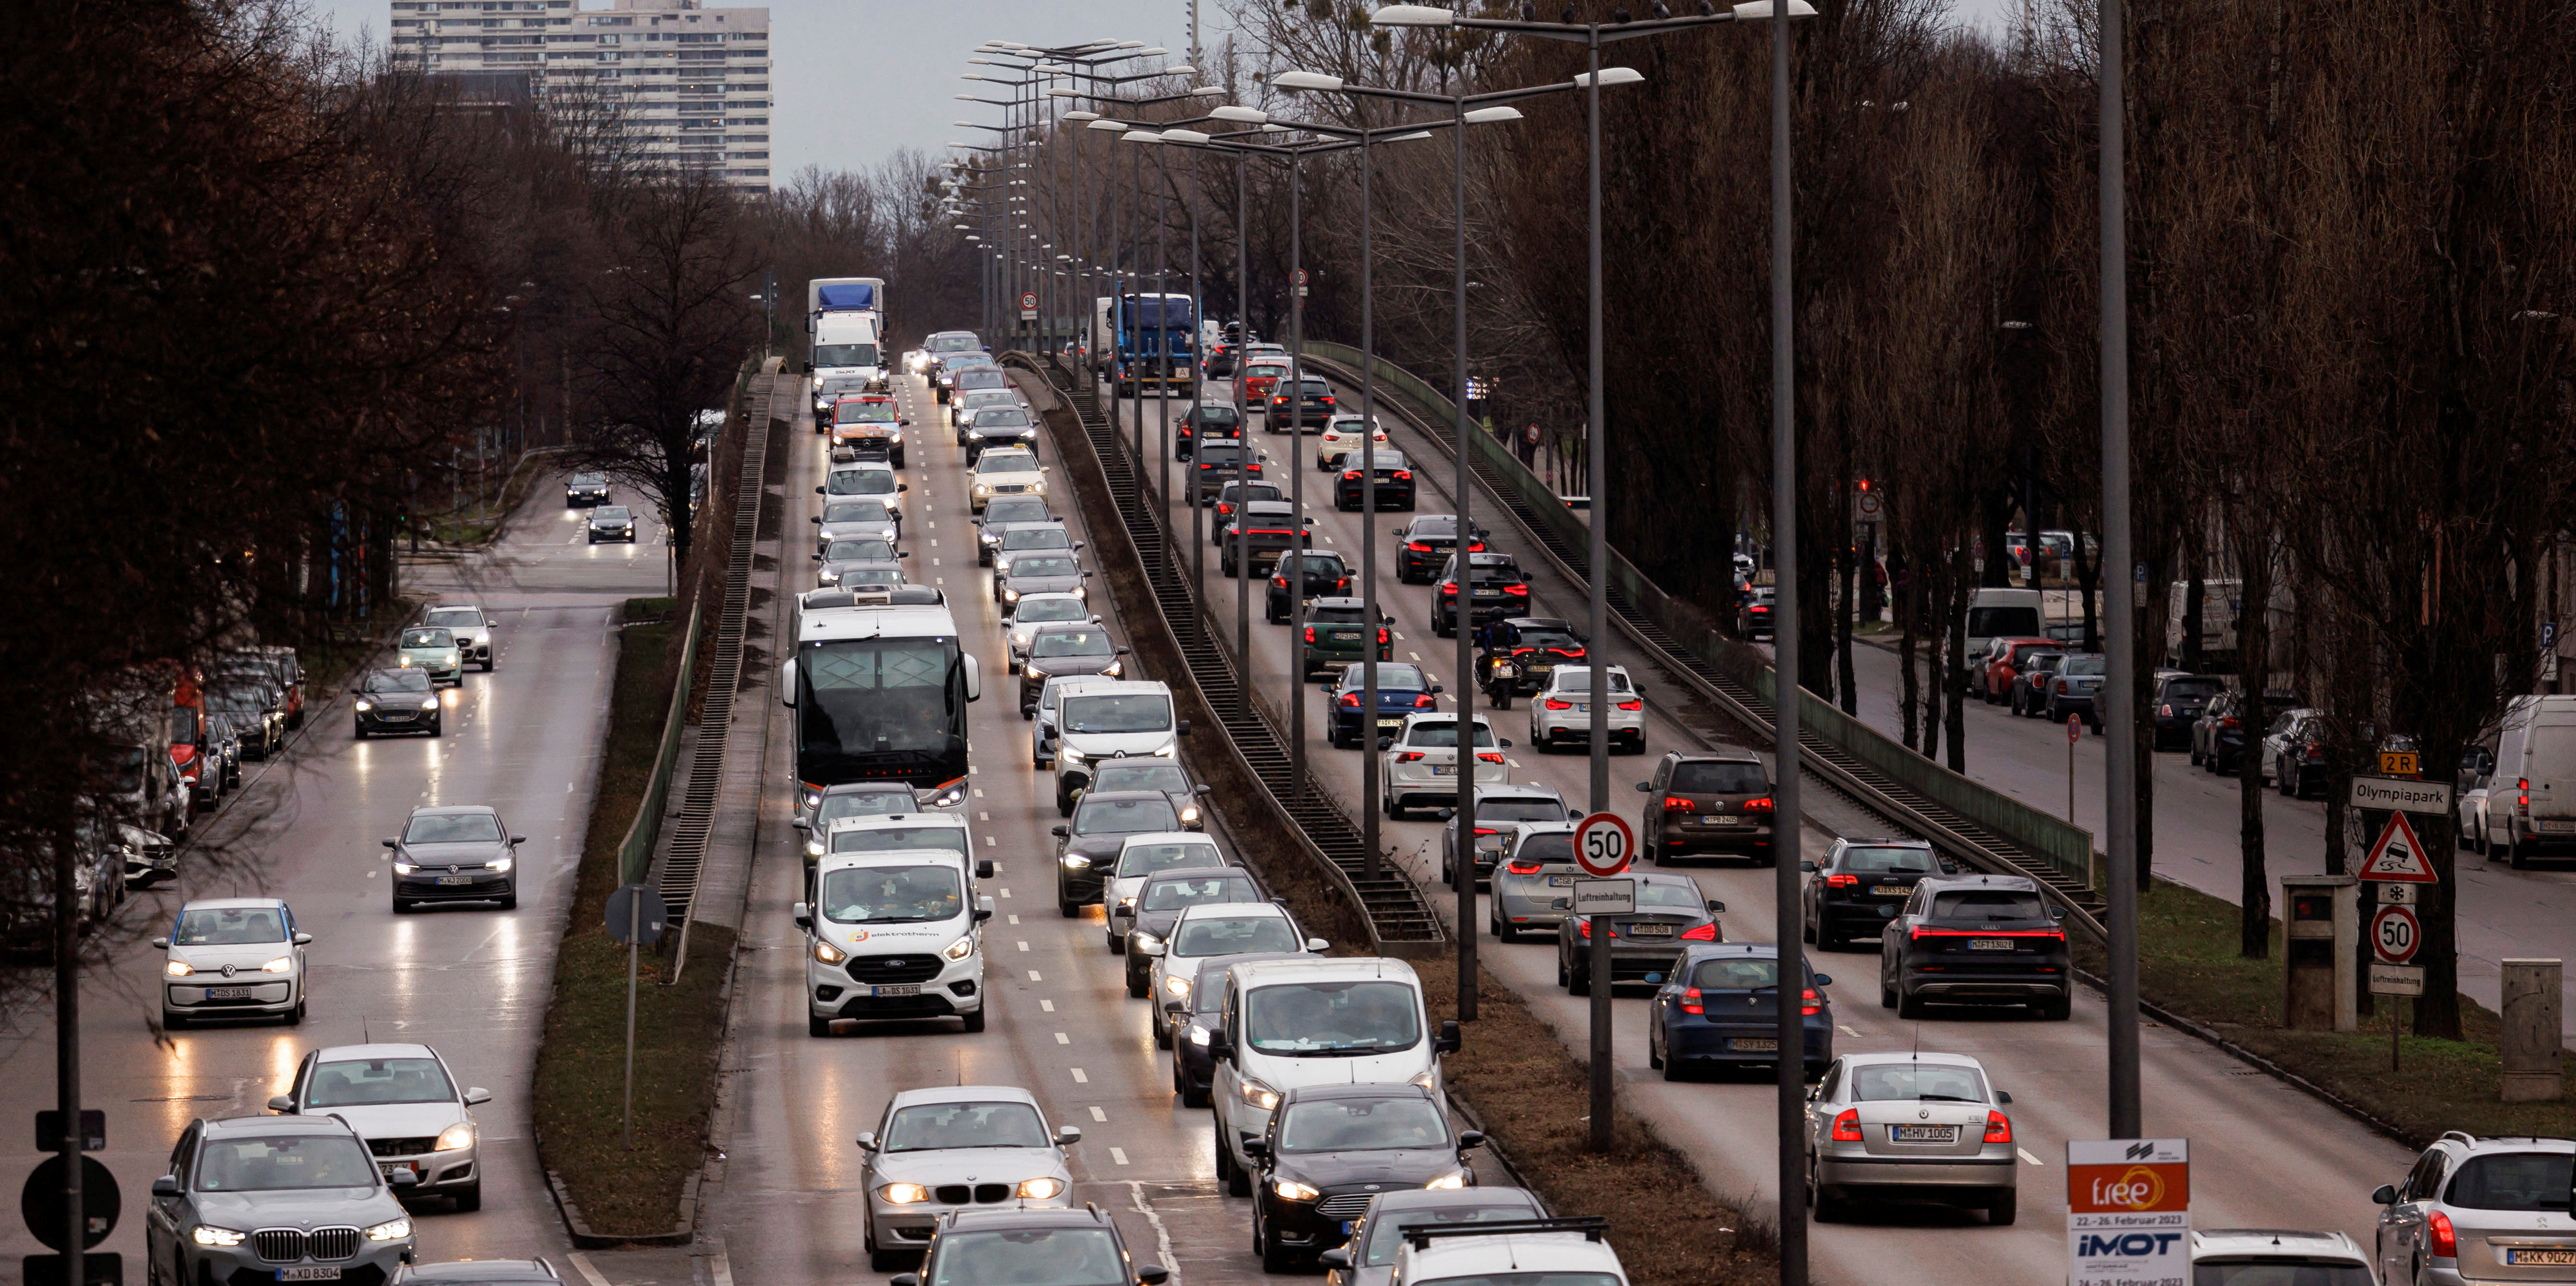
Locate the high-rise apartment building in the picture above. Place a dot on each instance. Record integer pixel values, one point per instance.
(680, 81)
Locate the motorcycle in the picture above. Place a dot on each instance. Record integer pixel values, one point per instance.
(1501, 677)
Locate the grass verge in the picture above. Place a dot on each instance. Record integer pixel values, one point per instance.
(580, 1076)
(2188, 964)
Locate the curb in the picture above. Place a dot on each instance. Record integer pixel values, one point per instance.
(585, 1239)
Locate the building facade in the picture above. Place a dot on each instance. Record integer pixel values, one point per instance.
(674, 81)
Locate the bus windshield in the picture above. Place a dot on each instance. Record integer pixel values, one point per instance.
(881, 708)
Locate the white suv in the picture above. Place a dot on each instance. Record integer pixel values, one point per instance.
(1550, 1250)
(1562, 710)
(1421, 762)
(472, 628)
(1341, 437)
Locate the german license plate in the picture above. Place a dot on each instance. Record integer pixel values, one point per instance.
(395, 716)
(1560, 881)
(2538, 1256)
(897, 989)
(2558, 828)
(399, 1167)
(1923, 1133)
(1728, 820)
(1889, 890)
(310, 1273)
(227, 993)
(1444, 770)
(1344, 636)
(1390, 723)
(1650, 930)
(1754, 1044)
(456, 879)
(1990, 944)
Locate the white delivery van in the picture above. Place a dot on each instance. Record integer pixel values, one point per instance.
(894, 933)
(1287, 1023)
(2002, 613)
(2531, 795)
(1113, 720)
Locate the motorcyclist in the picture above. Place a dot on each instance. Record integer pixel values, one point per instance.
(1496, 669)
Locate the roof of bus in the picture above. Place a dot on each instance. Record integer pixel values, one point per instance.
(874, 622)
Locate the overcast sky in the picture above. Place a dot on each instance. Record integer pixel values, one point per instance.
(855, 79)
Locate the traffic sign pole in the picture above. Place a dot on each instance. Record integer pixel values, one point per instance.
(1603, 845)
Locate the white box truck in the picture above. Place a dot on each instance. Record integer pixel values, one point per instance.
(834, 295)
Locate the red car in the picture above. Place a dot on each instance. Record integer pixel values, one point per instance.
(2005, 659)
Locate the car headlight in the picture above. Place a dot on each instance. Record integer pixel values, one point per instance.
(1198, 1035)
(1077, 861)
(960, 949)
(1111, 670)
(1040, 1189)
(1010, 596)
(828, 576)
(210, 1235)
(456, 1138)
(390, 1230)
(1453, 1179)
(1081, 592)
(430, 704)
(404, 868)
(1019, 638)
(813, 797)
(1032, 672)
(500, 864)
(1429, 1080)
(403, 660)
(282, 964)
(1001, 565)
(826, 953)
(178, 969)
(365, 705)
(1129, 903)
(1069, 755)
(1189, 814)
(904, 1194)
(1257, 1094)
(983, 488)
(1291, 1190)
(813, 848)
(1177, 986)
(1166, 751)
(1140, 938)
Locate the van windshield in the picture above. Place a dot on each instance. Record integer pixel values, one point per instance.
(1143, 712)
(892, 894)
(1145, 859)
(894, 839)
(1332, 1019)
(845, 354)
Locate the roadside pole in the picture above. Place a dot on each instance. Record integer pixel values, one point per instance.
(635, 916)
(1604, 844)
(2074, 729)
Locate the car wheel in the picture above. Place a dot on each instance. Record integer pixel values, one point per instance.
(2058, 1010)
(1117, 945)
(974, 1022)
(886, 1261)
(1237, 1183)
(2286, 780)
(2514, 850)
(1394, 811)
(817, 1025)
(438, 730)
(1655, 1055)
(1067, 909)
(402, 906)
(2001, 1210)
(1806, 930)
(470, 1200)
(1581, 983)
(510, 900)
(172, 1021)
(295, 1016)
(1908, 1006)
(1503, 930)
(360, 731)
(1829, 1207)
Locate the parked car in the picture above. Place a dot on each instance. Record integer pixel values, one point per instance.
(2536, 759)
(2037, 668)
(1718, 1005)
(2004, 662)
(2071, 690)
(2179, 700)
(2220, 736)
(2294, 752)
(1716, 801)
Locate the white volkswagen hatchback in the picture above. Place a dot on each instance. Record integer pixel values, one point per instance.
(233, 958)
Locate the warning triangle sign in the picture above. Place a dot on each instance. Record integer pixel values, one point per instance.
(2396, 857)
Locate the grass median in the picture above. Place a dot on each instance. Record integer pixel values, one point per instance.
(580, 1076)
(2188, 964)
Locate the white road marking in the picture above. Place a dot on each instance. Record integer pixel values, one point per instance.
(1517, 763)
(988, 841)
(720, 1266)
(1062, 1039)
(1413, 656)
(983, 817)
(979, 792)
(1098, 1115)
(1078, 1077)
(1162, 1235)
(1006, 893)
(1024, 946)
(1033, 976)
(1047, 1005)
(2026, 1156)
(1846, 1030)
(1015, 919)
(582, 1262)
(1118, 1155)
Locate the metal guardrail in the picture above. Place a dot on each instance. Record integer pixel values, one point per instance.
(1978, 825)
(635, 852)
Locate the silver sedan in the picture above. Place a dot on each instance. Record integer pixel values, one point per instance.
(955, 1148)
(1910, 1127)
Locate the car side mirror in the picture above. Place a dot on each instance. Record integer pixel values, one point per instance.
(1318, 945)
(163, 943)
(903, 424)
(817, 520)
(1715, 905)
(1181, 729)
(1470, 1139)
(1152, 1275)
(281, 1103)
(1087, 576)
(2385, 1194)
(1448, 1041)
(1505, 743)
(1436, 689)
(1066, 1136)
(517, 840)
(1806, 868)
(1060, 832)
(820, 492)
(1256, 1148)
(904, 554)
(983, 868)
(2057, 913)
(1220, 1045)
(1337, 1257)
(390, 841)
(803, 915)
(801, 824)
(168, 1186)
(2002, 1097)
(1123, 651)
(867, 1141)
(1385, 742)
(303, 939)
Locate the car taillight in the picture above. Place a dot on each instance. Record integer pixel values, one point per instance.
(1638, 704)
(1810, 1008)
(2315, 749)
(1408, 756)
(2445, 1241)
(1328, 399)
(1350, 475)
(1555, 704)
(1487, 830)
(1423, 701)
(1677, 804)
(1757, 805)
(1691, 998)
(1847, 1126)
(1382, 636)
(1279, 582)
(1490, 756)
(1449, 587)
(1476, 548)
(1416, 547)
(1841, 881)
(1404, 475)
(1998, 1128)
(1704, 933)
(1522, 590)
(1351, 699)
(1310, 633)
(1613, 930)
(1518, 867)
(2522, 796)
(2229, 723)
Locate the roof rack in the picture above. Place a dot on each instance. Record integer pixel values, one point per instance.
(1593, 1227)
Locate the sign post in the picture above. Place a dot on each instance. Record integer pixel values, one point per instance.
(1028, 305)
(1603, 843)
(2128, 1212)
(635, 916)
(2395, 867)
(2074, 733)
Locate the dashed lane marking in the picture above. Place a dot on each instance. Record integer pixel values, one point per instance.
(1062, 1039)
(1078, 1077)
(1098, 1115)
(1118, 1155)
(1033, 976)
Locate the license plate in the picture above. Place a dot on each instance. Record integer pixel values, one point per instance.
(400, 1167)
(1718, 821)
(395, 716)
(1346, 1226)
(1650, 930)
(1343, 636)
(1990, 944)
(1560, 881)
(227, 993)
(1889, 890)
(1390, 723)
(1444, 770)
(1923, 1133)
(2538, 1256)
(2558, 828)
(456, 879)
(310, 1273)
(897, 989)
(1754, 1044)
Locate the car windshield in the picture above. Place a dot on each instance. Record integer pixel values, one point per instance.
(379, 1080)
(933, 1127)
(1362, 1125)
(1989, 904)
(1247, 493)
(2279, 1272)
(1037, 538)
(1145, 859)
(1051, 609)
(875, 549)
(1545, 847)
(2084, 665)
(1055, 643)
(1906, 859)
(1737, 973)
(1010, 509)
(891, 894)
(864, 803)
(229, 926)
(900, 839)
(428, 638)
(1519, 810)
(1385, 1231)
(453, 828)
(1670, 896)
(1581, 681)
(453, 617)
(1124, 816)
(860, 482)
(1001, 417)
(1047, 565)
(1006, 462)
(397, 681)
(1138, 712)
(2513, 1181)
(863, 412)
(982, 377)
(590, 480)
(272, 1163)
(1444, 733)
(1718, 778)
(1052, 1256)
(1880, 1082)
(1234, 935)
(1333, 1018)
(610, 513)
(960, 342)
(1214, 414)
(1172, 895)
(845, 354)
(1148, 773)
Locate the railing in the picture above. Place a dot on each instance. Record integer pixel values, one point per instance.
(635, 852)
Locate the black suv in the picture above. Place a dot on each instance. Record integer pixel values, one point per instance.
(1330, 1148)
(1327, 576)
(1860, 885)
(2179, 700)
(1219, 465)
(1264, 530)
(1232, 497)
(1706, 802)
(1975, 940)
(1495, 587)
(1315, 401)
(1423, 546)
(1020, 1244)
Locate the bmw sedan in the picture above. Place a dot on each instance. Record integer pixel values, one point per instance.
(956, 1148)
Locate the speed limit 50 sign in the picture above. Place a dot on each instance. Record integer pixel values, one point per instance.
(2395, 933)
(1603, 843)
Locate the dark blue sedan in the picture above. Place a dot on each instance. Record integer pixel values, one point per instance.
(1401, 690)
(1719, 1007)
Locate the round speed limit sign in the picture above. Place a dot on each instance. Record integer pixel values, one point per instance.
(1603, 843)
(2394, 933)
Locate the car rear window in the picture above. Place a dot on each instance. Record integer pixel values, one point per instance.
(1519, 810)
(1989, 904)
(2195, 689)
(1738, 974)
(1445, 734)
(1719, 778)
(1336, 615)
(2279, 1272)
(2513, 1181)
(1554, 846)
(1903, 859)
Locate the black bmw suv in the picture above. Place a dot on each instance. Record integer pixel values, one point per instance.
(1495, 588)
(1975, 940)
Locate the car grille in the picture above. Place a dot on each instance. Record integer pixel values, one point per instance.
(287, 1245)
(331, 1243)
(402, 1147)
(880, 969)
(1348, 1205)
(985, 1194)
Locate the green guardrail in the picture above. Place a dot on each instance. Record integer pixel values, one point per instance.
(635, 852)
(2064, 846)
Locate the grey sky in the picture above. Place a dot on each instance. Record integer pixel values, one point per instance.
(855, 79)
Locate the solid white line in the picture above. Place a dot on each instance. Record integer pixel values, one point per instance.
(1078, 1077)
(1162, 1235)
(581, 1262)
(720, 1266)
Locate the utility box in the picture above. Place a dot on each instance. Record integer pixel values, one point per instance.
(2322, 932)
(2532, 1042)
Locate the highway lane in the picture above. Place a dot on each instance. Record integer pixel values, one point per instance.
(1060, 1023)
(2250, 1129)
(471, 981)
